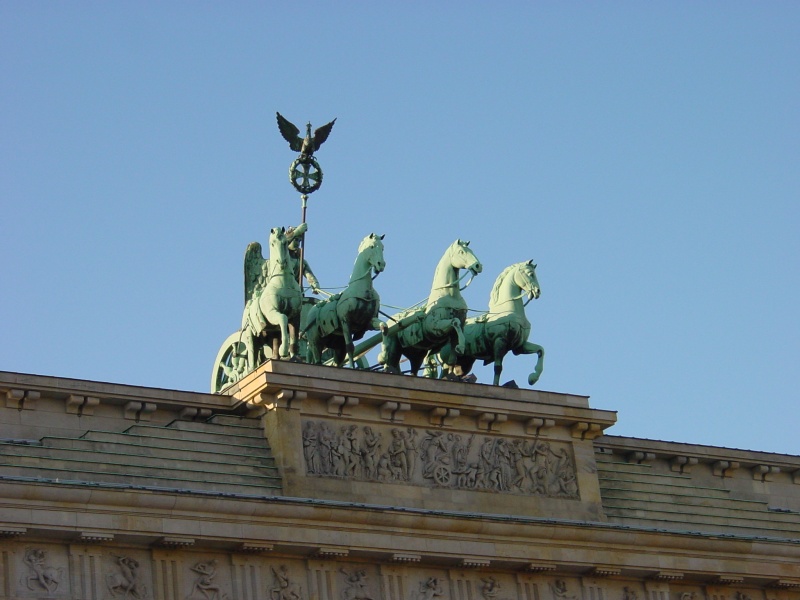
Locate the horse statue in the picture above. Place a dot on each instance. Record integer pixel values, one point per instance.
(334, 323)
(505, 327)
(442, 319)
(274, 299)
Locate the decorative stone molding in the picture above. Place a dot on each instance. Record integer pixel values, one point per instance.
(284, 399)
(330, 552)
(606, 571)
(442, 417)
(537, 426)
(81, 405)
(668, 576)
(640, 457)
(93, 537)
(724, 468)
(764, 472)
(11, 532)
(786, 584)
(540, 567)
(682, 464)
(474, 563)
(586, 431)
(488, 421)
(175, 542)
(22, 399)
(338, 405)
(192, 414)
(729, 579)
(394, 411)
(139, 411)
(406, 558)
(255, 547)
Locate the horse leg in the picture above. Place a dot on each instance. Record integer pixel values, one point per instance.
(531, 348)
(348, 341)
(499, 348)
(460, 343)
(282, 321)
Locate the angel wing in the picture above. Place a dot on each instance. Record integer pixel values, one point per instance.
(321, 134)
(290, 133)
(253, 263)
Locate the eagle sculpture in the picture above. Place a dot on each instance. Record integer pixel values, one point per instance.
(306, 146)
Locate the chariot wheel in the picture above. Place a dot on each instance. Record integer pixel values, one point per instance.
(305, 174)
(441, 475)
(231, 363)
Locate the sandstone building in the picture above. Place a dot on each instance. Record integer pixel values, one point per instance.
(313, 483)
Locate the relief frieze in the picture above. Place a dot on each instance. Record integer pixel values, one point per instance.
(438, 458)
(125, 580)
(41, 577)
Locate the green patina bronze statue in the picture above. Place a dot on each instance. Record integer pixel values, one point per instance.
(334, 323)
(441, 320)
(305, 172)
(438, 333)
(504, 328)
(274, 298)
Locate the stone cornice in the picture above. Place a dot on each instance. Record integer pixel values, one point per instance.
(488, 404)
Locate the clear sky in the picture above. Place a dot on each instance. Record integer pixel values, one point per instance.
(644, 154)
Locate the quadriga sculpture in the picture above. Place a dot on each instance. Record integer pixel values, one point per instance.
(272, 313)
(504, 328)
(334, 323)
(441, 320)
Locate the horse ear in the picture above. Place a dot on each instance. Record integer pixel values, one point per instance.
(466, 243)
(383, 236)
(283, 229)
(530, 262)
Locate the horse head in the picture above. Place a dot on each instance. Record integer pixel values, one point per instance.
(461, 257)
(278, 250)
(372, 248)
(525, 278)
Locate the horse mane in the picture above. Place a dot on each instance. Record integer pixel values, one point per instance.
(495, 295)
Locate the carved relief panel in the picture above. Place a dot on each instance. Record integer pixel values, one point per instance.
(42, 572)
(434, 457)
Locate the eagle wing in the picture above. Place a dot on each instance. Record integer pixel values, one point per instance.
(321, 134)
(290, 133)
(253, 261)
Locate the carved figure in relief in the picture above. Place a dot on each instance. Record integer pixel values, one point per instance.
(356, 585)
(398, 454)
(284, 589)
(490, 588)
(385, 472)
(629, 594)
(371, 452)
(127, 580)
(411, 450)
(40, 576)
(687, 596)
(310, 448)
(559, 588)
(327, 440)
(353, 450)
(429, 589)
(204, 586)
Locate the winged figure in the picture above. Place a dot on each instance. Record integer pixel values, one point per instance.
(304, 145)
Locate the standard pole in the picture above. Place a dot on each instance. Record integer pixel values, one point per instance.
(304, 201)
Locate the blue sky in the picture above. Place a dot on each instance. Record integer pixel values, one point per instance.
(645, 155)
